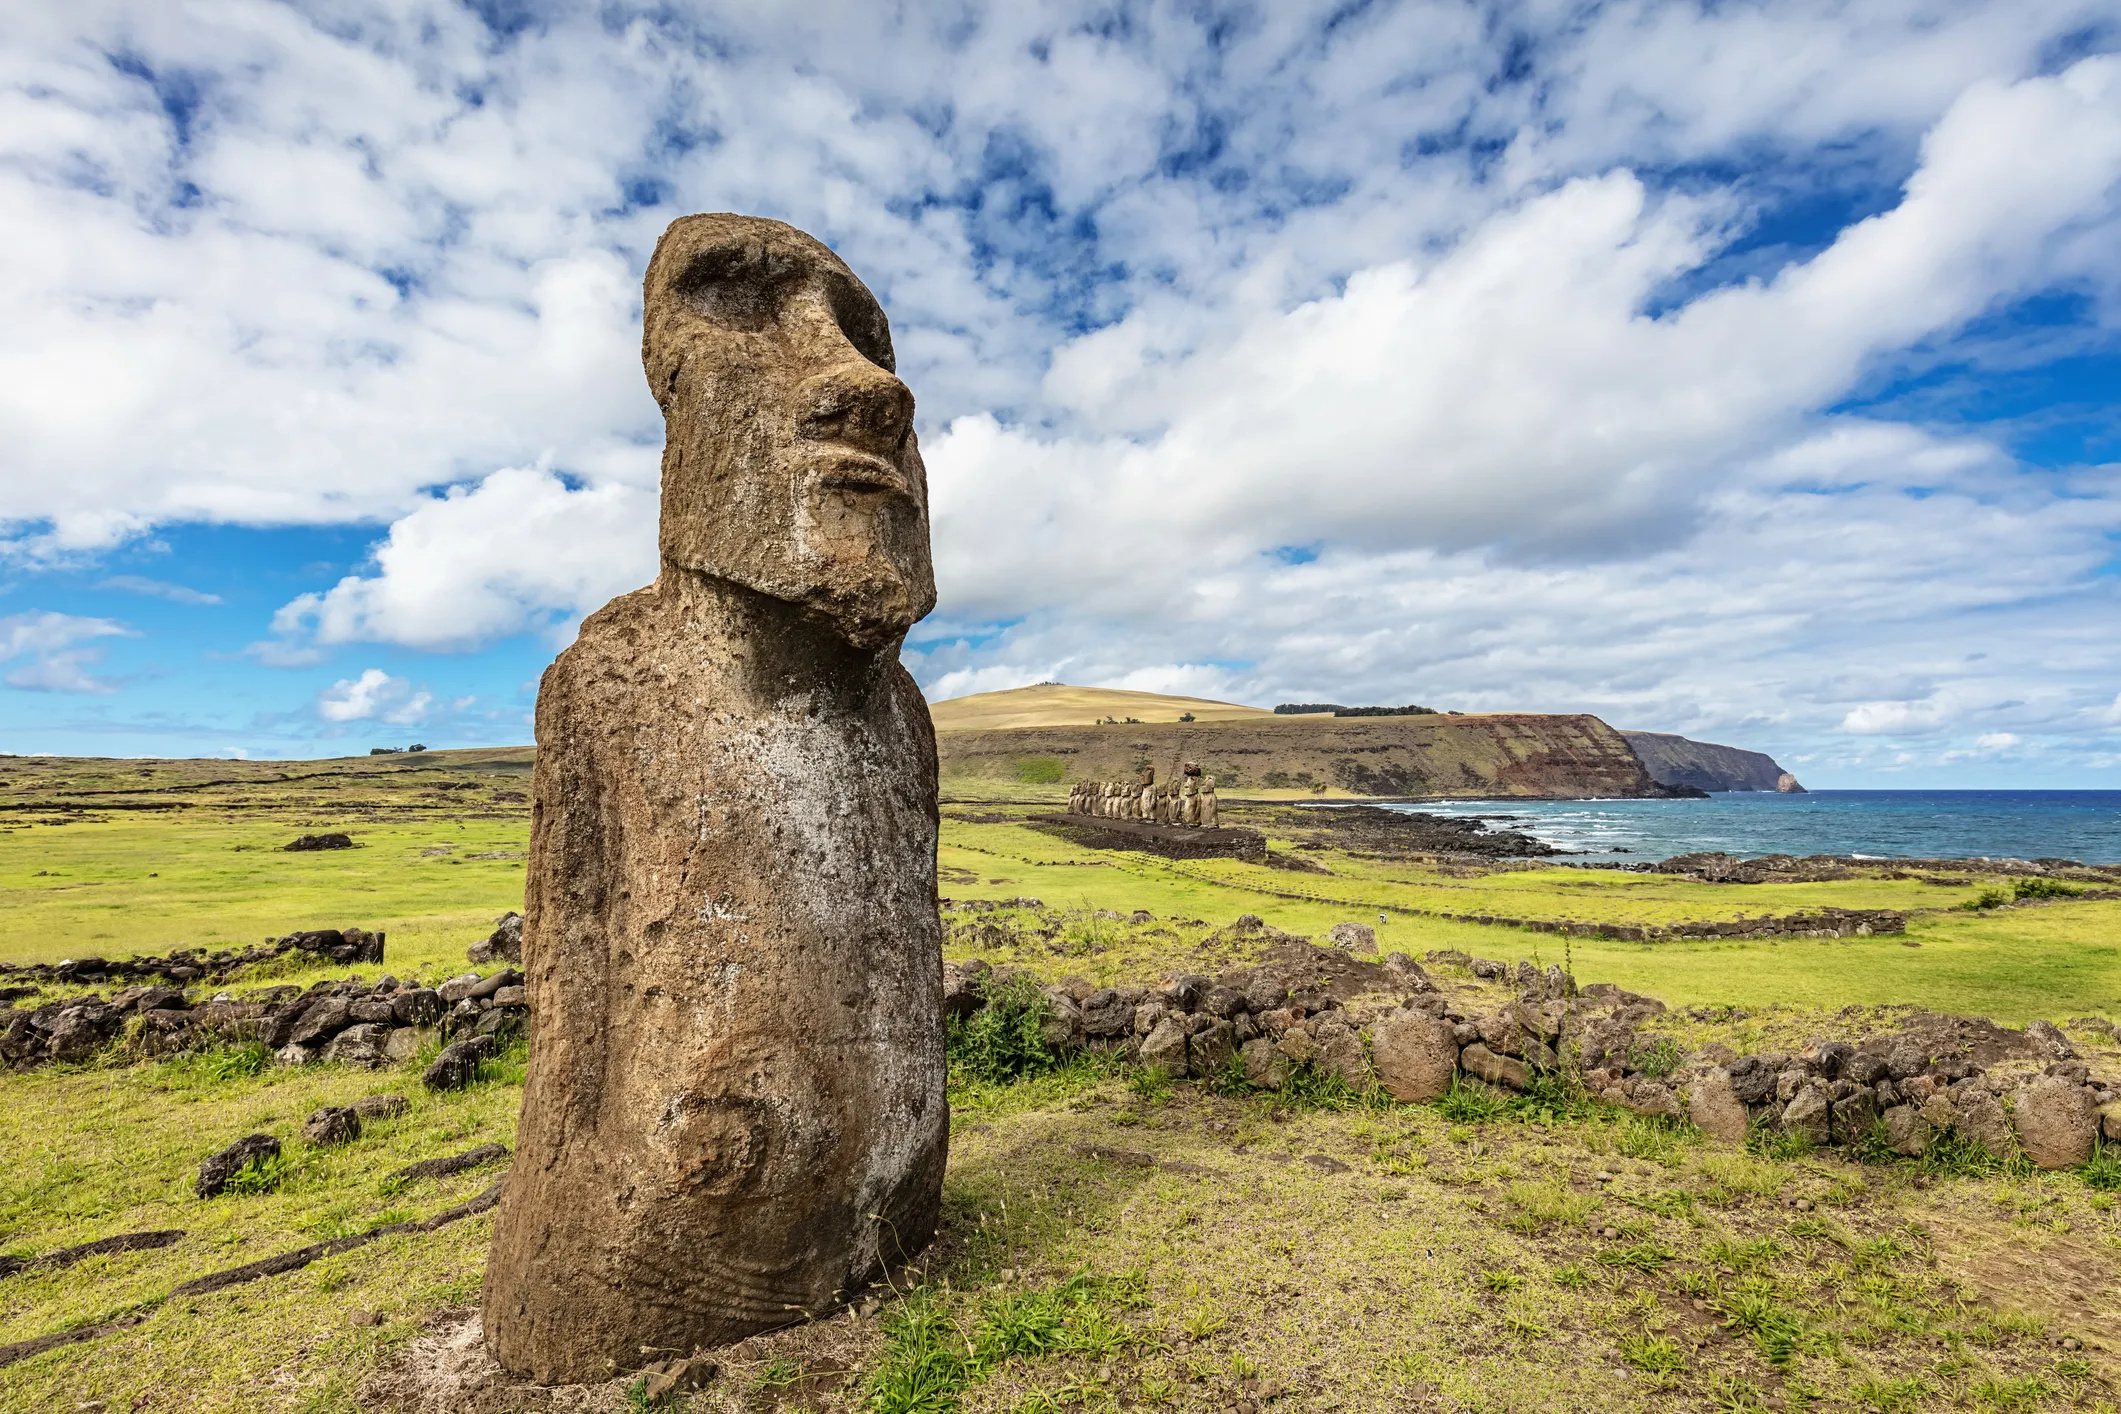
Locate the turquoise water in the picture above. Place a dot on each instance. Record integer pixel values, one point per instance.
(2083, 825)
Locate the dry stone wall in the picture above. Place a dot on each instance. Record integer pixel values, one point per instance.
(1389, 1023)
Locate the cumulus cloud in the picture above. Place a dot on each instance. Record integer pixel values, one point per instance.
(374, 696)
(54, 645)
(1431, 350)
(482, 562)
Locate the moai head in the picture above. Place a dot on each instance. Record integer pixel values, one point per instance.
(789, 463)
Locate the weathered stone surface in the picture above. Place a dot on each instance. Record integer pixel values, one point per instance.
(374, 1107)
(2056, 1122)
(1908, 1132)
(1496, 1069)
(215, 1173)
(2110, 1121)
(1809, 1114)
(422, 1006)
(1415, 1055)
(334, 1124)
(1164, 1049)
(324, 1019)
(1340, 1053)
(1106, 1013)
(1296, 1043)
(458, 1064)
(1655, 1098)
(357, 1045)
(1714, 1107)
(1937, 1112)
(2049, 1040)
(1855, 1114)
(1265, 1065)
(735, 1102)
(405, 1042)
(504, 944)
(1353, 937)
(1211, 1049)
(1979, 1116)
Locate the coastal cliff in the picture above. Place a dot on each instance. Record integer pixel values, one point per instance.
(1676, 761)
(1539, 756)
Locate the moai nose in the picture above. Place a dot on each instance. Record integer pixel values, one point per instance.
(858, 403)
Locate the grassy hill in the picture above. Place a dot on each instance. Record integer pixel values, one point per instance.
(1555, 756)
(1053, 704)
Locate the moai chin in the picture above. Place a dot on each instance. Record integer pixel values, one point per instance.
(734, 1115)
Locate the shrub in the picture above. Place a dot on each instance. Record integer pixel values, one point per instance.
(2044, 888)
(1005, 1039)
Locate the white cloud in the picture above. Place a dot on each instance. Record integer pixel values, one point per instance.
(158, 589)
(1996, 741)
(1414, 294)
(52, 643)
(374, 696)
(510, 554)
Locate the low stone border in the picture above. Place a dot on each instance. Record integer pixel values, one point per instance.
(1307, 1006)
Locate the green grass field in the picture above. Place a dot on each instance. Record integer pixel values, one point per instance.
(1336, 1258)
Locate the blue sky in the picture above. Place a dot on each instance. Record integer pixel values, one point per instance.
(1746, 370)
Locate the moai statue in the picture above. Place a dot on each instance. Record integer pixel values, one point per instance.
(1189, 801)
(1145, 803)
(1208, 808)
(734, 1115)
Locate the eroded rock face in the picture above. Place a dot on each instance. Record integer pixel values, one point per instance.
(1415, 1055)
(734, 1111)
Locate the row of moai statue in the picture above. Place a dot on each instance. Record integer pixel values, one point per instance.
(1188, 801)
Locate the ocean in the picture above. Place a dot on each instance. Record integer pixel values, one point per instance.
(2084, 825)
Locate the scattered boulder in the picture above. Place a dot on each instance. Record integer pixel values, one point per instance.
(333, 1125)
(2056, 1122)
(453, 1164)
(302, 843)
(458, 1065)
(371, 1108)
(246, 1152)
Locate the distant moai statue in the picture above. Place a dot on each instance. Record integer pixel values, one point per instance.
(1208, 808)
(735, 1114)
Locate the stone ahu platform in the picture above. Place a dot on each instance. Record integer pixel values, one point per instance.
(1170, 841)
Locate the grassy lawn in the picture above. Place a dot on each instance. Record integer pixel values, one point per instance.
(1339, 1259)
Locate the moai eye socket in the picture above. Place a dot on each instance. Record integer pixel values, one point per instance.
(863, 323)
(740, 288)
